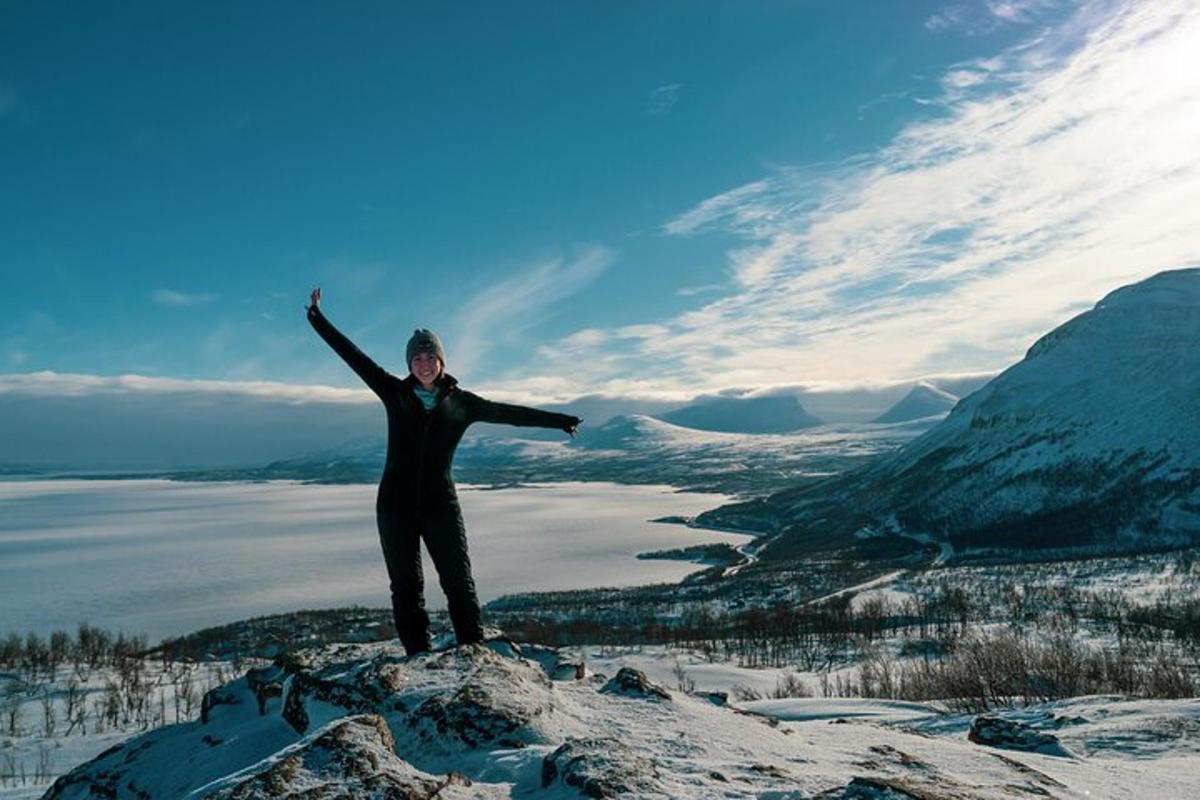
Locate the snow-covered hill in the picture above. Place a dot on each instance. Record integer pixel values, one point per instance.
(1092, 441)
(503, 720)
(924, 400)
(627, 449)
(761, 414)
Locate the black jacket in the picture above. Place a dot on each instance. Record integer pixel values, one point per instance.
(421, 443)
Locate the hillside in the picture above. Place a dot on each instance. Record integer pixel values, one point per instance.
(1091, 443)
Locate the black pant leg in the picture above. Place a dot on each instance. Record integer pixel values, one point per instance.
(400, 536)
(446, 538)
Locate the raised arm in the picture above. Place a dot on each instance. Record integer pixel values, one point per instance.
(372, 374)
(523, 416)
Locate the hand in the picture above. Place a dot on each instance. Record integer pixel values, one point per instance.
(572, 427)
(315, 298)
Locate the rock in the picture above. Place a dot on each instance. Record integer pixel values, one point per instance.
(556, 665)
(350, 757)
(356, 687)
(633, 683)
(220, 696)
(994, 731)
(601, 768)
(502, 702)
(265, 682)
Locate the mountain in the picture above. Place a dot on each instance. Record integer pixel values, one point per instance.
(768, 414)
(1091, 443)
(636, 431)
(923, 400)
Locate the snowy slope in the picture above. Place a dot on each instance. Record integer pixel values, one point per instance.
(1091, 441)
(503, 720)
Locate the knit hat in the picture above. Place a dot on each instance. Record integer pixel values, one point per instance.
(424, 341)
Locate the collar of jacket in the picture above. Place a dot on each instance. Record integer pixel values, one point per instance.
(444, 383)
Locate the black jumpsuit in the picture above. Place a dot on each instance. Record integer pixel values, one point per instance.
(417, 499)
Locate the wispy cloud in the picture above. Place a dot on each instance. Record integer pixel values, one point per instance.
(500, 313)
(663, 99)
(1048, 175)
(170, 297)
(984, 17)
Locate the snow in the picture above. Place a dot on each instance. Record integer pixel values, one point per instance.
(1099, 423)
(681, 746)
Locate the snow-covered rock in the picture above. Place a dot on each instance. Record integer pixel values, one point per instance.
(1008, 734)
(1091, 442)
(484, 721)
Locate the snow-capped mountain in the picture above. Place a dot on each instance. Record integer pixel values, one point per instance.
(765, 414)
(1091, 441)
(923, 400)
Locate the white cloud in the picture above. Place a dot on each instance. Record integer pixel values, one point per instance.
(502, 312)
(1052, 173)
(65, 384)
(980, 18)
(739, 202)
(135, 421)
(170, 297)
(663, 99)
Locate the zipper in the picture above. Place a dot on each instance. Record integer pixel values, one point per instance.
(425, 439)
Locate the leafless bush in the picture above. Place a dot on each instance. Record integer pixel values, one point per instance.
(683, 681)
(743, 693)
(789, 684)
(49, 712)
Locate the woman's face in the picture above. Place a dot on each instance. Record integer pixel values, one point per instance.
(427, 368)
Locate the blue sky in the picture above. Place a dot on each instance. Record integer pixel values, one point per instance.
(657, 198)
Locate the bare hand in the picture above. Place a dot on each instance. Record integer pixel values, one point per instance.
(315, 297)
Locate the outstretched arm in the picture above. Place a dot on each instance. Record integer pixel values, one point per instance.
(372, 374)
(523, 416)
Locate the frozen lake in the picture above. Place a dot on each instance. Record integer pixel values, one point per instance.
(167, 558)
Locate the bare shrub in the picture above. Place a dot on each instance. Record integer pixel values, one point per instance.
(683, 681)
(743, 693)
(789, 684)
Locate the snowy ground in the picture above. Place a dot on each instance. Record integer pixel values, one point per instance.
(493, 716)
(30, 757)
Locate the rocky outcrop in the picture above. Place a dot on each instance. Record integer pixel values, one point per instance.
(1010, 734)
(501, 703)
(601, 768)
(486, 722)
(632, 683)
(351, 757)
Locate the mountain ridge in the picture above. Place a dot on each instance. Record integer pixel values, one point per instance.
(1092, 441)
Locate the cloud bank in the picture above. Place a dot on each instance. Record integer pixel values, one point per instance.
(135, 422)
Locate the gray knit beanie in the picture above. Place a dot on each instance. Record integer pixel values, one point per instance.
(424, 341)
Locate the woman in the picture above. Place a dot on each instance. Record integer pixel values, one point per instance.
(427, 414)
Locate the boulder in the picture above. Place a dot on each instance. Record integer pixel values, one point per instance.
(630, 682)
(1008, 734)
(601, 768)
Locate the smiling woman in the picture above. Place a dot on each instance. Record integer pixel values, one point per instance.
(427, 415)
